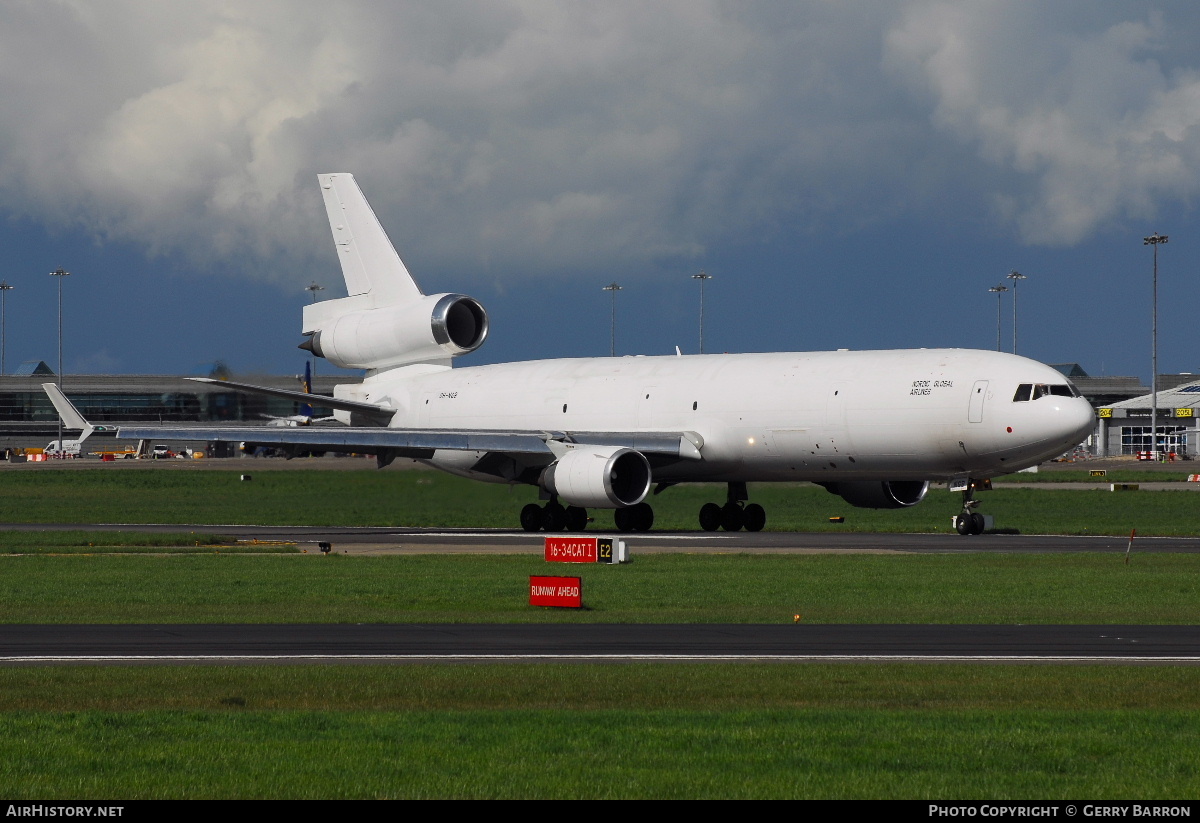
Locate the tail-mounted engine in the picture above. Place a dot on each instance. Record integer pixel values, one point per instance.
(880, 494)
(602, 477)
(433, 327)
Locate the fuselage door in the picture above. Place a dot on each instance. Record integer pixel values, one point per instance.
(978, 395)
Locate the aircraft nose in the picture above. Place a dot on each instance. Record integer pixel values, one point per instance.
(1075, 420)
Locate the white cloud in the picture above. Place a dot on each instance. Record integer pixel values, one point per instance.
(1093, 126)
(509, 137)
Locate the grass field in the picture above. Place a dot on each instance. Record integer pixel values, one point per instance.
(424, 498)
(89, 542)
(567, 731)
(816, 731)
(665, 588)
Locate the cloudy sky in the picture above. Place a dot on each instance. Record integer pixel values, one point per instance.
(853, 175)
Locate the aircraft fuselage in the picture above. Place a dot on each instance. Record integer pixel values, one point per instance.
(923, 414)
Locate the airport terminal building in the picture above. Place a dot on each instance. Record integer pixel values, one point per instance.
(1125, 427)
(28, 419)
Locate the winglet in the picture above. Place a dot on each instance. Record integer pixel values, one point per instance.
(70, 415)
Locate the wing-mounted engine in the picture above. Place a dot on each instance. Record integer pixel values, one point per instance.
(430, 328)
(880, 494)
(603, 477)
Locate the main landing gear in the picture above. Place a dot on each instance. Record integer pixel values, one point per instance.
(969, 521)
(553, 517)
(735, 514)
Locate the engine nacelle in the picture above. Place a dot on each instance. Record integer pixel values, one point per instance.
(432, 328)
(880, 494)
(602, 477)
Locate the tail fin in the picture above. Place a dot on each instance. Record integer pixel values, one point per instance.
(70, 415)
(370, 264)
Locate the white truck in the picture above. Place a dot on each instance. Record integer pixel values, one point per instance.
(70, 448)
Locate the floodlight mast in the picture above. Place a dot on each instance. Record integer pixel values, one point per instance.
(1154, 240)
(613, 288)
(1016, 277)
(59, 274)
(312, 289)
(703, 278)
(4, 290)
(998, 290)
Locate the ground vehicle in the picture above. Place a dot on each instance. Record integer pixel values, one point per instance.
(161, 452)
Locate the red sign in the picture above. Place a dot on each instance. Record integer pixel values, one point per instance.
(579, 549)
(556, 591)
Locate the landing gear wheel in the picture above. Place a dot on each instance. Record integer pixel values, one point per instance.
(531, 517)
(624, 519)
(554, 517)
(732, 517)
(643, 517)
(710, 517)
(576, 518)
(977, 523)
(962, 524)
(755, 517)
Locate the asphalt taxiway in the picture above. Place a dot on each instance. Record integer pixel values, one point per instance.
(597, 643)
(393, 540)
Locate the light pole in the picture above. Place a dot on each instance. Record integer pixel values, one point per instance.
(998, 290)
(312, 289)
(1016, 277)
(59, 274)
(613, 288)
(5, 288)
(703, 278)
(1154, 240)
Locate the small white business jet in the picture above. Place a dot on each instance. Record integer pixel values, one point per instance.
(875, 427)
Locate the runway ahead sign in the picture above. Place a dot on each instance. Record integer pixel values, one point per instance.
(583, 550)
(565, 592)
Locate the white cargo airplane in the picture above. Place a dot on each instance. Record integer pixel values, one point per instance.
(875, 427)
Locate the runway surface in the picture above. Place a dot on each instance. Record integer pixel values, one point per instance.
(392, 540)
(494, 643)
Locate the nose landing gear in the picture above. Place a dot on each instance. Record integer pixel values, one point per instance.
(971, 521)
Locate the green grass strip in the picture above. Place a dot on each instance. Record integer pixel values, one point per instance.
(433, 499)
(749, 731)
(122, 542)
(886, 588)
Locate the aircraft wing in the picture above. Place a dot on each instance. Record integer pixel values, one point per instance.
(381, 413)
(422, 443)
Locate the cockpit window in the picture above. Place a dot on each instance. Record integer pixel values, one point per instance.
(1033, 391)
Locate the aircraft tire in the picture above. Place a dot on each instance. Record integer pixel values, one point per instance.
(710, 517)
(576, 518)
(554, 517)
(624, 519)
(977, 523)
(531, 517)
(962, 524)
(755, 517)
(643, 517)
(732, 517)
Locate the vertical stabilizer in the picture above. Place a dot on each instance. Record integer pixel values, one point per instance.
(370, 264)
(71, 417)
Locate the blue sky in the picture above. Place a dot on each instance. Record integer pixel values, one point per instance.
(853, 175)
